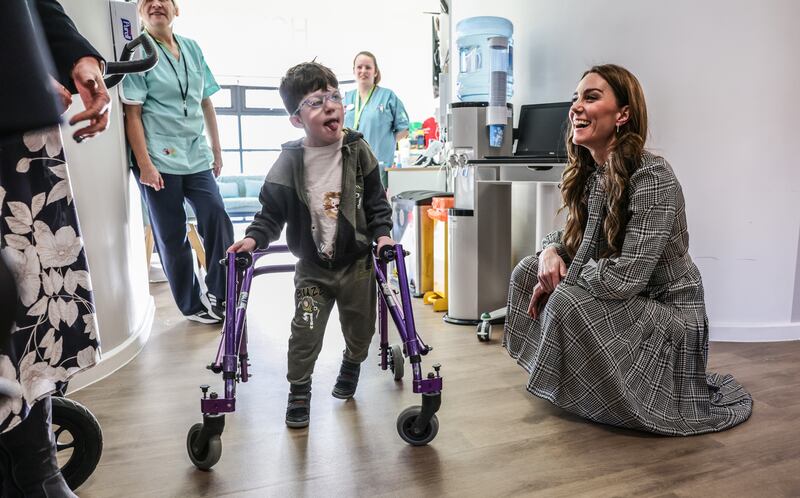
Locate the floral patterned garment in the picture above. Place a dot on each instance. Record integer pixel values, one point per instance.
(55, 334)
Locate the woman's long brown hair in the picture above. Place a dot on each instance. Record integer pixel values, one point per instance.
(622, 161)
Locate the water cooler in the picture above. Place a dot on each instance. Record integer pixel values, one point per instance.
(480, 223)
(480, 125)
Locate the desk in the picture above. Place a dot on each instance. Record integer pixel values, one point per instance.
(404, 179)
(535, 199)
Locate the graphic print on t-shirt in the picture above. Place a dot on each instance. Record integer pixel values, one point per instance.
(330, 204)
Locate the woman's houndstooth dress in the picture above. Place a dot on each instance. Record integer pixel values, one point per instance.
(624, 341)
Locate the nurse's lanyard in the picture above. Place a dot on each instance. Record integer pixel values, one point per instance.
(360, 107)
(184, 93)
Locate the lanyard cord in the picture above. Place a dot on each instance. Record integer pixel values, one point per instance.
(360, 107)
(184, 93)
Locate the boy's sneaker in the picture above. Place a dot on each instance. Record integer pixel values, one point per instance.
(298, 408)
(216, 307)
(203, 317)
(347, 381)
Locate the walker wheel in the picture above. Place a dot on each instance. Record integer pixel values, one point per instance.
(396, 361)
(208, 456)
(405, 427)
(484, 331)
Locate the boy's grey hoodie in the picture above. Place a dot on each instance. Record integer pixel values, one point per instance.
(364, 212)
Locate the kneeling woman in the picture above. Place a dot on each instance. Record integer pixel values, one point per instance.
(609, 318)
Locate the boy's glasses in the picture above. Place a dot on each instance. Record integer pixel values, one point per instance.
(318, 101)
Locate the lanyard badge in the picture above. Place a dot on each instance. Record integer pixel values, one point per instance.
(184, 93)
(360, 107)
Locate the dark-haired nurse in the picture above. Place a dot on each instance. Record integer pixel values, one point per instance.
(376, 112)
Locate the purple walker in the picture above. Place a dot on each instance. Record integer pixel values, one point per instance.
(417, 425)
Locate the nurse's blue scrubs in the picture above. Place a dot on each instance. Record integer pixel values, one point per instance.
(382, 117)
(171, 95)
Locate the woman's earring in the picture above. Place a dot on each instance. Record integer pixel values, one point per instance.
(618, 129)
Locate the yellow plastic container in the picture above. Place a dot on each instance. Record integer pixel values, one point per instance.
(438, 214)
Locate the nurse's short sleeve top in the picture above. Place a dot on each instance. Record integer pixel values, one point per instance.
(176, 142)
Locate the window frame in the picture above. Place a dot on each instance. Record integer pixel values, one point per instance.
(239, 108)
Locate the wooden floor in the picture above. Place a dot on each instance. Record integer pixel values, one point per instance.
(494, 440)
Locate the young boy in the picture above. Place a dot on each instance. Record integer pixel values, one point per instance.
(326, 189)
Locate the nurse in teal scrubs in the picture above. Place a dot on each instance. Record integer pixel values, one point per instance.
(375, 111)
(166, 112)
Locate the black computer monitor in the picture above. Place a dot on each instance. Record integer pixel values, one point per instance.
(541, 130)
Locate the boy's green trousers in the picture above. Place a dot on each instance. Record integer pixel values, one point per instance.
(353, 290)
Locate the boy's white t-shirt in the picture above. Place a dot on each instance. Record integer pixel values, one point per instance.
(323, 177)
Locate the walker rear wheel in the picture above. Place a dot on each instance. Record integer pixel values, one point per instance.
(396, 361)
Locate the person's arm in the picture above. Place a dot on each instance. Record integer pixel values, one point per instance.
(653, 206)
(268, 223)
(134, 131)
(210, 87)
(210, 116)
(400, 121)
(376, 207)
(66, 44)
(553, 241)
(79, 67)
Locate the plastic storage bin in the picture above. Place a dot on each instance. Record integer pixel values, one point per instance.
(413, 228)
(474, 56)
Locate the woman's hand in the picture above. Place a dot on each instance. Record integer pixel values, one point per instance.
(217, 165)
(538, 300)
(551, 269)
(88, 77)
(63, 94)
(247, 244)
(150, 177)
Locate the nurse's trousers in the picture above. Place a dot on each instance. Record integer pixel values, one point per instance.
(168, 221)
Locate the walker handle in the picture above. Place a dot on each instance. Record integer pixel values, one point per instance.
(388, 254)
(116, 71)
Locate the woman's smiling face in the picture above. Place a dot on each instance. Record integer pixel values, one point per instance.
(364, 69)
(595, 114)
(157, 13)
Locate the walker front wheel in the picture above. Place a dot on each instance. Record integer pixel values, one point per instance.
(405, 427)
(206, 457)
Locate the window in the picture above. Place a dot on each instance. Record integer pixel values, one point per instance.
(262, 98)
(252, 126)
(249, 131)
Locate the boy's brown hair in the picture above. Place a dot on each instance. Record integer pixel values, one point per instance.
(303, 79)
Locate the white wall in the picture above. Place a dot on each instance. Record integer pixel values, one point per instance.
(721, 79)
(264, 39)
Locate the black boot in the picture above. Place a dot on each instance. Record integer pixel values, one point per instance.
(29, 452)
(299, 406)
(347, 381)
